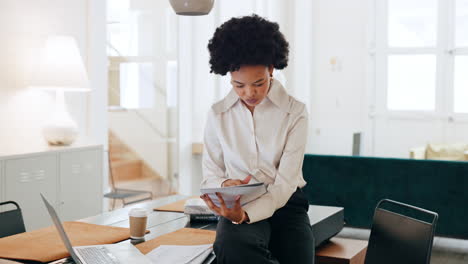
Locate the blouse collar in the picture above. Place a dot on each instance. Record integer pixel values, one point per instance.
(277, 95)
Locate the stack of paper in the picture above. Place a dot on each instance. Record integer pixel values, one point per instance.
(196, 206)
(170, 254)
(248, 193)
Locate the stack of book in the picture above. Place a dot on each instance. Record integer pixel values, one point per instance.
(197, 210)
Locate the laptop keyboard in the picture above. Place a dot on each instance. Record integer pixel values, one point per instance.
(96, 255)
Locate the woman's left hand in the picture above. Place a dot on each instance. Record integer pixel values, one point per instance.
(235, 213)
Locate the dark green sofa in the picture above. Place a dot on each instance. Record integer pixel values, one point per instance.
(358, 183)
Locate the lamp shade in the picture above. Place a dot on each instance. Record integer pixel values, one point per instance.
(192, 7)
(60, 66)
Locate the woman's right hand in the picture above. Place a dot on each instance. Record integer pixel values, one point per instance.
(228, 183)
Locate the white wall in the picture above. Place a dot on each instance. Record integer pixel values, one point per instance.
(24, 26)
(338, 105)
(97, 71)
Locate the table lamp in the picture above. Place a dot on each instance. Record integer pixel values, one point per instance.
(60, 69)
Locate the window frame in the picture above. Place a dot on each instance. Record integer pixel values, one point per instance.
(445, 52)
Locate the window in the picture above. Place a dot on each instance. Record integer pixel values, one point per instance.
(461, 24)
(423, 50)
(461, 57)
(411, 82)
(461, 84)
(412, 23)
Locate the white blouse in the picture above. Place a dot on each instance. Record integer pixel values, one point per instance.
(269, 145)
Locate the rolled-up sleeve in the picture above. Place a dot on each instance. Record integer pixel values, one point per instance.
(288, 175)
(214, 170)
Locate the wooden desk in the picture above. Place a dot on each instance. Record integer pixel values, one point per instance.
(159, 223)
(342, 251)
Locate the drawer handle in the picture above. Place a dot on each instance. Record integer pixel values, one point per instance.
(76, 168)
(24, 177)
(39, 175)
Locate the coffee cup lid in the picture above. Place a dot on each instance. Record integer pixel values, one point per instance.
(138, 212)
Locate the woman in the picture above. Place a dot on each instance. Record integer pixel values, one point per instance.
(257, 133)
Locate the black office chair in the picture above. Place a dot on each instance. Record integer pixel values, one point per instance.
(125, 194)
(401, 238)
(11, 221)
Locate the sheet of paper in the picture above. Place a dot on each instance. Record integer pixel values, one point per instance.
(170, 254)
(248, 193)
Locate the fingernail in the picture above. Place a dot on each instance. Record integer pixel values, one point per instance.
(237, 197)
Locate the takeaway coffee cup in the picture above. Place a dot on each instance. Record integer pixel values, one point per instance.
(138, 218)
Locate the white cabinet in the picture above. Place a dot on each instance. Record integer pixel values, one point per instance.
(70, 178)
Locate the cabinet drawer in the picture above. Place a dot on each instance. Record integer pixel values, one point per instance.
(25, 179)
(81, 184)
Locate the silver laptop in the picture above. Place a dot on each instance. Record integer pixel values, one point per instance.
(98, 254)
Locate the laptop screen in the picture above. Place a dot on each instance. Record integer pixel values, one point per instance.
(60, 229)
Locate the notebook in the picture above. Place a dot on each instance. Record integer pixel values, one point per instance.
(248, 193)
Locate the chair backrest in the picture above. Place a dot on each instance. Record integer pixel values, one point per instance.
(398, 238)
(11, 221)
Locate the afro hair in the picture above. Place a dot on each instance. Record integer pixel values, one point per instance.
(248, 40)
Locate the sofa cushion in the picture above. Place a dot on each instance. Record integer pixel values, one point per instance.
(446, 151)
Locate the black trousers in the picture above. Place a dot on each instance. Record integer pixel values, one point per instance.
(286, 237)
